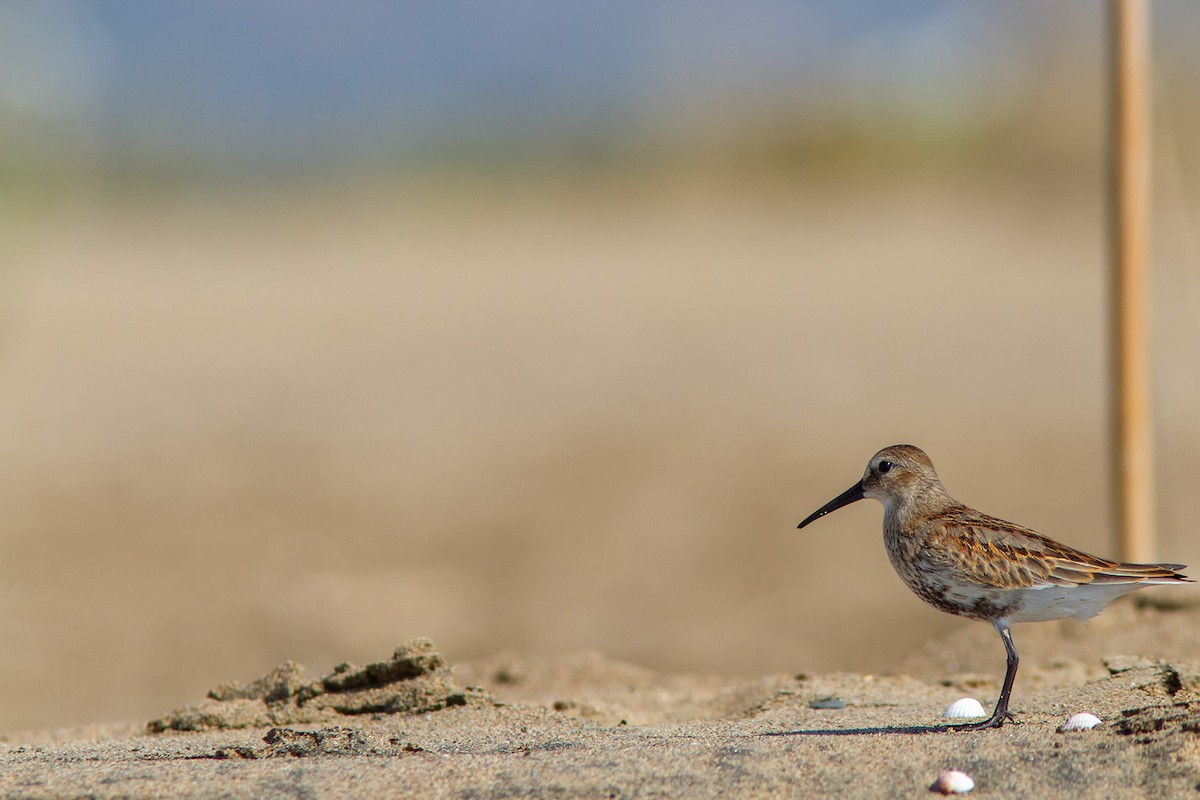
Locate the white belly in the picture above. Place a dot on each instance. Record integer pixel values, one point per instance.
(1044, 603)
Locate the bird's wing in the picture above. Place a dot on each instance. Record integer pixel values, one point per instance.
(997, 553)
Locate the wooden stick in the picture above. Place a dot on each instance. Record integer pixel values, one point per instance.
(1129, 231)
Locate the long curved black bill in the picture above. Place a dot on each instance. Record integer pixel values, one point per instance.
(851, 495)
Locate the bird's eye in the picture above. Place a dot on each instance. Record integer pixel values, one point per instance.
(885, 466)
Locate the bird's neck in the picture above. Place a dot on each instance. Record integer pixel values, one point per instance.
(930, 499)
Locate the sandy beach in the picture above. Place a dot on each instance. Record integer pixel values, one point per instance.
(583, 725)
(379, 420)
(310, 426)
(566, 432)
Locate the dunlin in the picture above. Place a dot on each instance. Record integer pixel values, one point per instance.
(980, 567)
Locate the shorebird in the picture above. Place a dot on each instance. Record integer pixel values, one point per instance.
(980, 567)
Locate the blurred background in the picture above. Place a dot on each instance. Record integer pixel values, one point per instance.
(537, 326)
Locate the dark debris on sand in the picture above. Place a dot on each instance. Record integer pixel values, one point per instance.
(416, 679)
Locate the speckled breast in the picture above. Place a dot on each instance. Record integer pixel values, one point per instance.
(944, 589)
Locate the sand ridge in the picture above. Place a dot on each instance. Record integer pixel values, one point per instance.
(414, 680)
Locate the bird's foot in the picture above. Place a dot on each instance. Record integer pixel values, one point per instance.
(994, 721)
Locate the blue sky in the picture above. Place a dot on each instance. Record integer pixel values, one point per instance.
(299, 80)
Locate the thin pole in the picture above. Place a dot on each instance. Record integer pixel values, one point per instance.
(1129, 231)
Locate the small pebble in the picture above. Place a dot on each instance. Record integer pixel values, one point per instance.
(828, 702)
(953, 782)
(1082, 721)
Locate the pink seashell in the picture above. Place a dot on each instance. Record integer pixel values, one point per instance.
(953, 782)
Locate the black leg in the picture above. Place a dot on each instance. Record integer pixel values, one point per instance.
(1000, 715)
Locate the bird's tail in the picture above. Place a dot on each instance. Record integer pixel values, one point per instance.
(1114, 572)
(1146, 573)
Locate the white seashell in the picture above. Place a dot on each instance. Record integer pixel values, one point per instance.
(1081, 722)
(964, 709)
(953, 782)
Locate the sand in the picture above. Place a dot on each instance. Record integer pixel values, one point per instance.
(587, 726)
(314, 424)
(558, 417)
